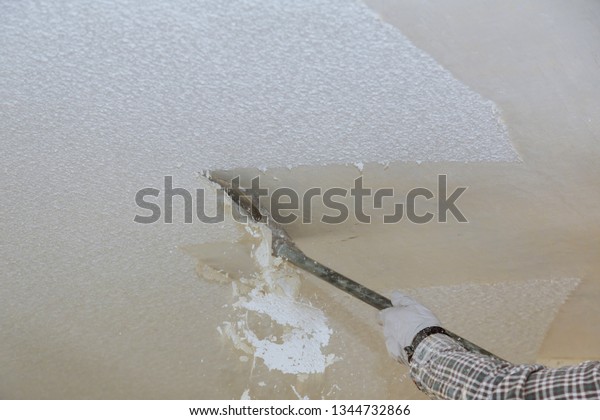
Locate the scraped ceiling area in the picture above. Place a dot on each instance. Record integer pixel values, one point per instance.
(99, 100)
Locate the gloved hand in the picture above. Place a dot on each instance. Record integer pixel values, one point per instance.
(402, 322)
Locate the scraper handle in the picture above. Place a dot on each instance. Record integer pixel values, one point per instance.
(291, 253)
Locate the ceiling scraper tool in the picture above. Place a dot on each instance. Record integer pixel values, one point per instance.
(283, 246)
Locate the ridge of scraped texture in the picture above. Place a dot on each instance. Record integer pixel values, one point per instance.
(225, 84)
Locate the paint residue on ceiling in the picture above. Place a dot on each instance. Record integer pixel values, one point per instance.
(270, 322)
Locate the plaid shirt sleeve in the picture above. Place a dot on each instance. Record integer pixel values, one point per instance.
(443, 369)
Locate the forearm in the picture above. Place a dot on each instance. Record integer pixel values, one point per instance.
(443, 369)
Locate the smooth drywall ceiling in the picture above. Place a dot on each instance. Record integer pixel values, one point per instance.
(225, 84)
(511, 318)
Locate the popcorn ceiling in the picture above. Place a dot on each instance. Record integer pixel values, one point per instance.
(224, 84)
(100, 99)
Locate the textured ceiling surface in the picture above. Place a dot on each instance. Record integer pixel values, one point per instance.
(224, 84)
(99, 100)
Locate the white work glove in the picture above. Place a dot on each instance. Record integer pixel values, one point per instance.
(402, 322)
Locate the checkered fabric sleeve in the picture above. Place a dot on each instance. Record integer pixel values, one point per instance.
(443, 369)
